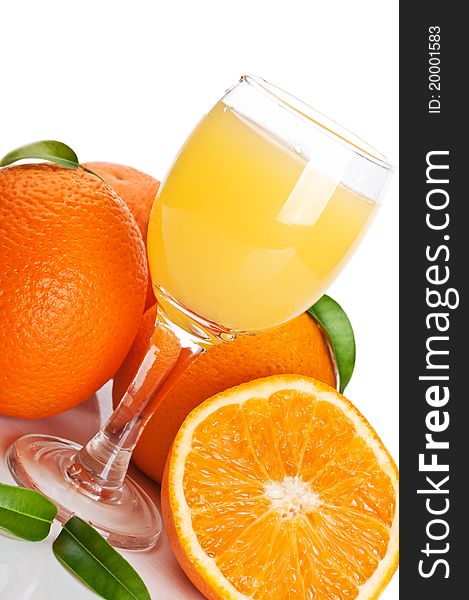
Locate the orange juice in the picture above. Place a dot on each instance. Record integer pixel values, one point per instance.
(245, 232)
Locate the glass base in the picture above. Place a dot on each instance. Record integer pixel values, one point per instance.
(40, 462)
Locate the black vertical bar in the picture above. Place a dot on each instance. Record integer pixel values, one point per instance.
(434, 269)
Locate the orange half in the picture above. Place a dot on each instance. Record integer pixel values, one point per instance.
(280, 489)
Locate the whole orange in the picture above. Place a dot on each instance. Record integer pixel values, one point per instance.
(73, 279)
(138, 190)
(296, 347)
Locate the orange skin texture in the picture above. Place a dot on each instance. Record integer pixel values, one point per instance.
(296, 347)
(138, 190)
(73, 280)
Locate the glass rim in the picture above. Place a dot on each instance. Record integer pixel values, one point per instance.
(328, 126)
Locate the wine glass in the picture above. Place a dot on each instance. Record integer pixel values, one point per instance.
(261, 209)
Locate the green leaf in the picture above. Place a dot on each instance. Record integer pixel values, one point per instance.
(91, 558)
(332, 318)
(51, 150)
(25, 513)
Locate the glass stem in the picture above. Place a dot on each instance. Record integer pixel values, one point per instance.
(100, 467)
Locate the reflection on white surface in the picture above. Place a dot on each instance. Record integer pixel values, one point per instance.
(30, 571)
(3, 577)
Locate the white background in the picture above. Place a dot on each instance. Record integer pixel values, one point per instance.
(126, 81)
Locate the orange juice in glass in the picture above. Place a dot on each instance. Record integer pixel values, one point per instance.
(246, 232)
